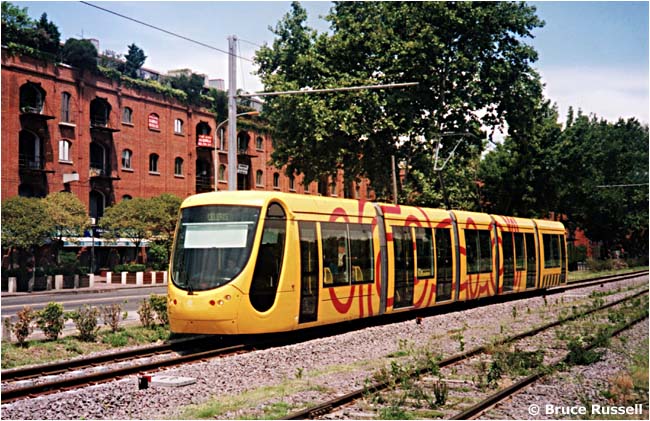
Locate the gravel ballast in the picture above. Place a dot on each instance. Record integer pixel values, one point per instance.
(332, 365)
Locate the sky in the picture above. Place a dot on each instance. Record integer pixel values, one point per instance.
(592, 55)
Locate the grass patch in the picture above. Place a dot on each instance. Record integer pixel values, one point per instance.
(584, 275)
(268, 398)
(41, 351)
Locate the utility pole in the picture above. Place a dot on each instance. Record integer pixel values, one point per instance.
(232, 114)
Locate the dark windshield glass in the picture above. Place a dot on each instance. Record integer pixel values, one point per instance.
(212, 245)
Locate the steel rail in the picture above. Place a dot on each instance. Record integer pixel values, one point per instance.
(328, 406)
(64, 366)
(108, 375)
(24, 373)
(487, 404)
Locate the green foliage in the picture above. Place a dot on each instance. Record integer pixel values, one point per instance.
(80, 53)
(25, 223)
(51, 320)
(40, 38)
(192, 85)
(129, 219)
(477, 46)
(67, 213)
(441, 392)
(129, 267)
(159, 306)
(146, 314)
(22, 328)
(135, 59)
(85, 319)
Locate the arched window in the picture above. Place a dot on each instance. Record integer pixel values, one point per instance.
(32, 97)
(30, 153)
(153, 163)
(242, 142)
(97, 204)
(259, 178)
(64, 150)
(100, 111)
(276, 180)
(292, 183)
(127, 115)
(178, 166)
(178, 126)
(259, 143)
(65, 107)
(127, 155)
(222, 172)
(127, 197)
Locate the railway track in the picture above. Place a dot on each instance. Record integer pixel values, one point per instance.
(329, 406)
(192, 350)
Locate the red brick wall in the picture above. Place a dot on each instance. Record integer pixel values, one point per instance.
(137, 137)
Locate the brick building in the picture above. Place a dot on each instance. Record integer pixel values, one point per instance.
(66, 130)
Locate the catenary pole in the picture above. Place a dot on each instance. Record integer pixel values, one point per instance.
(232, 114)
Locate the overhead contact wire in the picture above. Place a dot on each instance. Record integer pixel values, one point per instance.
(163, 30)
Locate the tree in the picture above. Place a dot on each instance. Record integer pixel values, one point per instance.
(15, 23)
(470, 61)
(135, 59)
(25, 227)
(164, 217)
(192, 85)
(597, 153)
(131, 219)
(80, 53)
(68, 215)
(49, 37)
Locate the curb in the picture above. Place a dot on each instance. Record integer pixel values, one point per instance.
(94, 290)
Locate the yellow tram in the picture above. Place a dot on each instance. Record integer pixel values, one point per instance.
(261, 262)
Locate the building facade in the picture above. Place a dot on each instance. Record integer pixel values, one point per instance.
(68, 130)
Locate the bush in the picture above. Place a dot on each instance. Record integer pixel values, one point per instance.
(157, 256)
(112, 314)
(51, 320)
(23, 326)
(146, 314)
(129, 267)
(85, 318)
(68, 263)
(159, 305)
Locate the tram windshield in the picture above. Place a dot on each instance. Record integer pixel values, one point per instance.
(213, 243)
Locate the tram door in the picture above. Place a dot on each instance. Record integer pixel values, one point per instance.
(508, 262)
(404, 266)
(308, 273)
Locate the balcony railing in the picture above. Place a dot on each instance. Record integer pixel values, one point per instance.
(96, 171)
(31, 162)
(98, 122)
(203, 183)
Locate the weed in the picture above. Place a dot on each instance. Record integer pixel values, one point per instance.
(440, 391)
(146, 313)
(514, 312)
(461, 341)
(85, 319)
(111, 315)
(621, 389)
(116, 339)
(578, 355)
(159, 306)
(51, 320)
(545, 301)
(299, 372)
(23, 326)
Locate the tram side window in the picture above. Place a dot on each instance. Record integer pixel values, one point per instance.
(520, 258)
(335, 254)
(479, 254)
(562, 253)
(308, 256)
(361, 254)
(551, 250)
(531, 259)
(424, 249)
(444, 258)
(268, 266)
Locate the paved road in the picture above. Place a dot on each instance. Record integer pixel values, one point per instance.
(133, 296)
